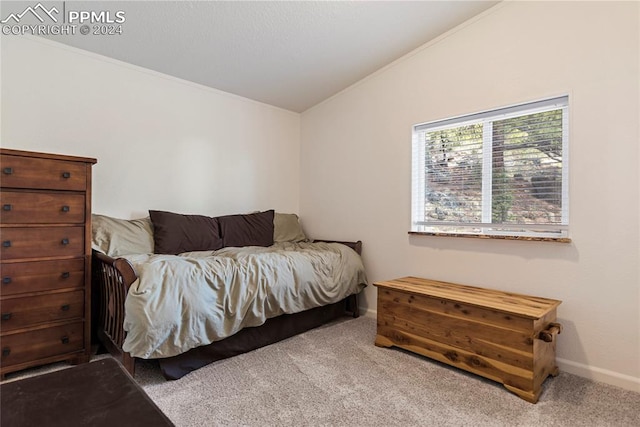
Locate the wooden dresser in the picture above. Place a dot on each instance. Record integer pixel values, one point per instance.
(45, 230)
(506, 337)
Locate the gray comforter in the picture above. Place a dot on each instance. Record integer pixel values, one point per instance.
(193, 299)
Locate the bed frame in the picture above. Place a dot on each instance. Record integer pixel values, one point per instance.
(112, 278)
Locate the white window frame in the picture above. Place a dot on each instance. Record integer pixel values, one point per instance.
(422, 225)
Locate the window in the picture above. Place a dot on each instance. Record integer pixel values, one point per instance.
(496, 173)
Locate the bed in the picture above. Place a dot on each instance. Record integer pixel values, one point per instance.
(188, 290)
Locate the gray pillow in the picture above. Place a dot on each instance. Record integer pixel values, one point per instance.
(286, 228)
(116, 237)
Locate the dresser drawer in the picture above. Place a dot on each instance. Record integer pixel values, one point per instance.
(47, 174)
(41, 208)
(16, 313)
(40, 343)
(23, 242)
(36, 276)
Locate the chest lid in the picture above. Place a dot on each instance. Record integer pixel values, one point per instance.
(518, 304)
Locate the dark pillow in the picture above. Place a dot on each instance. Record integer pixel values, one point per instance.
(175, 233)
(254, 229)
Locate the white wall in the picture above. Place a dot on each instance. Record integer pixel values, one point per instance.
(161, 142)
(356, 157)
(168, 144)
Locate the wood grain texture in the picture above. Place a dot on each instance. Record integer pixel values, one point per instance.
(28, 207)
(494, 236)
(506, 302)
(38, 276)
(47, 242)
(491, 333)
(44, 342)
(35, 173)
(45, 308)
(45, 232)
(51, 156)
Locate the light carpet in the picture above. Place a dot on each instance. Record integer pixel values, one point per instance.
(334, 376)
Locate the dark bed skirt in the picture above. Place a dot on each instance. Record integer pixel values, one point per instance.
(248, 339)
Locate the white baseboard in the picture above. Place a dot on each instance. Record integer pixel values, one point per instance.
(591, 372)
(369, 313)
(598, 374)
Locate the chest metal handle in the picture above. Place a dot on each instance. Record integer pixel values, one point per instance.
(64, 242)
(66, 175)
(6, 280)
(64, 340)
(65, 209)
(7, 171)
(65, 275)
(6, 244)
(6, 316)
(6, 351)
(65, 307)
(7, 207)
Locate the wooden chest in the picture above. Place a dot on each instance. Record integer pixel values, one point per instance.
(509, 338)
(45, 229)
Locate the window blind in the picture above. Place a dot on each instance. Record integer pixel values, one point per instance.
(502, 171)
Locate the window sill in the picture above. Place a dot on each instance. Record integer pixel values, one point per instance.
(489, 236)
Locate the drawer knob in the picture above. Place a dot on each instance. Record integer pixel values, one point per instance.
(6, 244)
(6, 351)
(6, 280)
(64, 242)
(65, 275)
(6, 316)
(65, 209)
(65, 307)
(64, 340)
(66, 175)
(7, 207)
(7, 171)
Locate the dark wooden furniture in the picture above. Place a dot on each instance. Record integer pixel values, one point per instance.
(112, 278)
(94, 394)
(45, 227)
(506, 337)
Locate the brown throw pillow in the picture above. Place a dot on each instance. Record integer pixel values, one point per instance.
(254, 229)
(175, 233)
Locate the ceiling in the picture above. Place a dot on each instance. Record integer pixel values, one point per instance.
(289, 54)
